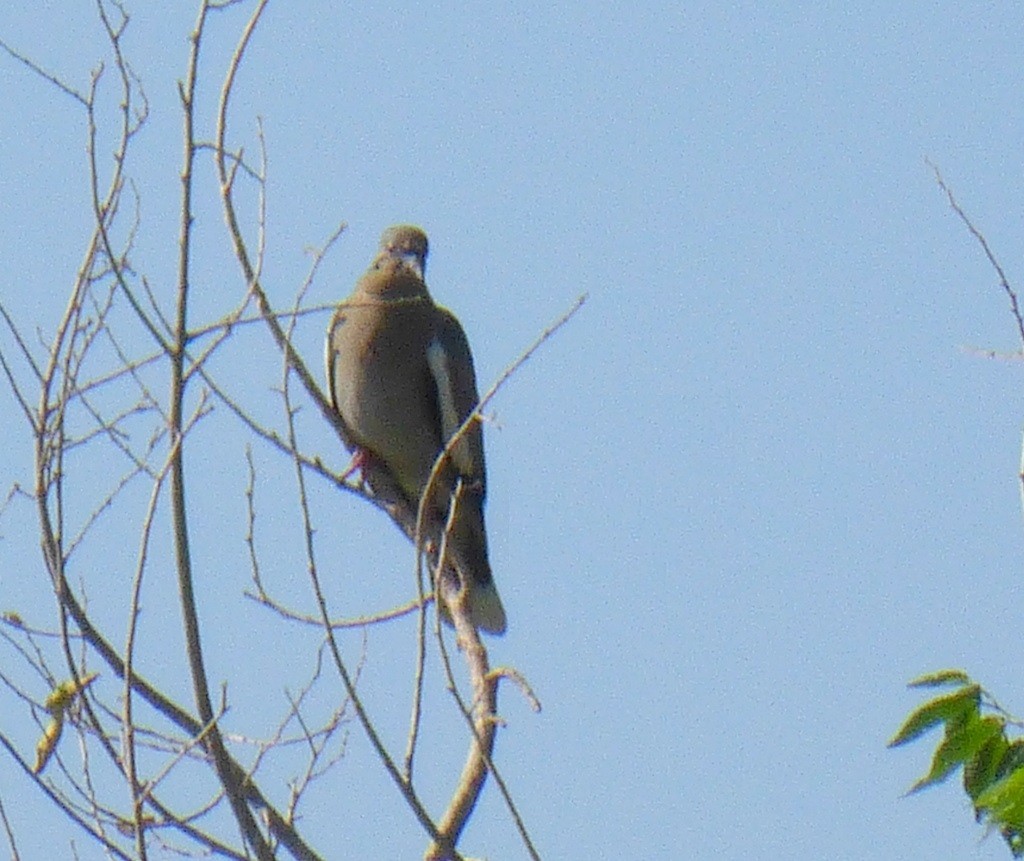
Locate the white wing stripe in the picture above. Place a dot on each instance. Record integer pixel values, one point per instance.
(440, 368)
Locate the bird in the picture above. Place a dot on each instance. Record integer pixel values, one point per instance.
(400, 376)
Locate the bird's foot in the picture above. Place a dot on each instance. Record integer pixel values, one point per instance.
(360, 460)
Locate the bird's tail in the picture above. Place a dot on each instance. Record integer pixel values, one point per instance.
(485, 609)
(467, 549)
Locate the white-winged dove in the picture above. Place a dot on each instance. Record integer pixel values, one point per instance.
(400, 375)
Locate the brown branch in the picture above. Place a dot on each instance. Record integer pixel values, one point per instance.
(279, 825)
(45, 75)
(296, 364)
(485, 706)
(383, 487)
(79, 820)
(477, 414)
(387, 492)
(406, 788)
(129, 749)
(260, 596)
(19, 396)
(190, 617)
(10, 833)
(60, 389)
(1003, 280)
(483, 716)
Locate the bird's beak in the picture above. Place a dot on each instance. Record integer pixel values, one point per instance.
(412, 260)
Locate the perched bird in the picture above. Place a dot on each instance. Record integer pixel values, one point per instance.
(400, 375)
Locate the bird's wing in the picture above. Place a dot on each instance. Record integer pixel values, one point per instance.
(451, 367)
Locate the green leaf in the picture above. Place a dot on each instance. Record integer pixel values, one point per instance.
(1012, 759)
(983, 769)
(1003, 802)
(939, 710)
(12, 617)
(61, 696)
(961, 744)
(1015, 840)
(48, 743)
(941, 679)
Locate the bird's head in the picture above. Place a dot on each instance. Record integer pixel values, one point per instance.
(407, 243)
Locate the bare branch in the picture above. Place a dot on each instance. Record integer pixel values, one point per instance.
(10, 833)
(98, 404)
(79, 820)
(410, 795)
(45, 75)
(190, 617)
(1003, 280)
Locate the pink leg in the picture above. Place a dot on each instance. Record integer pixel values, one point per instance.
(360, 458)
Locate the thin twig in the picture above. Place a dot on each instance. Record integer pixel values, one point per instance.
(190, 617)
(1003, 280)
(10, 833)
(45, 75)
(128, 722)
(484, 684)
(407, 790)
(79, 820)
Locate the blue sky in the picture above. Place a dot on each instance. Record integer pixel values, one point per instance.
(758, 483)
